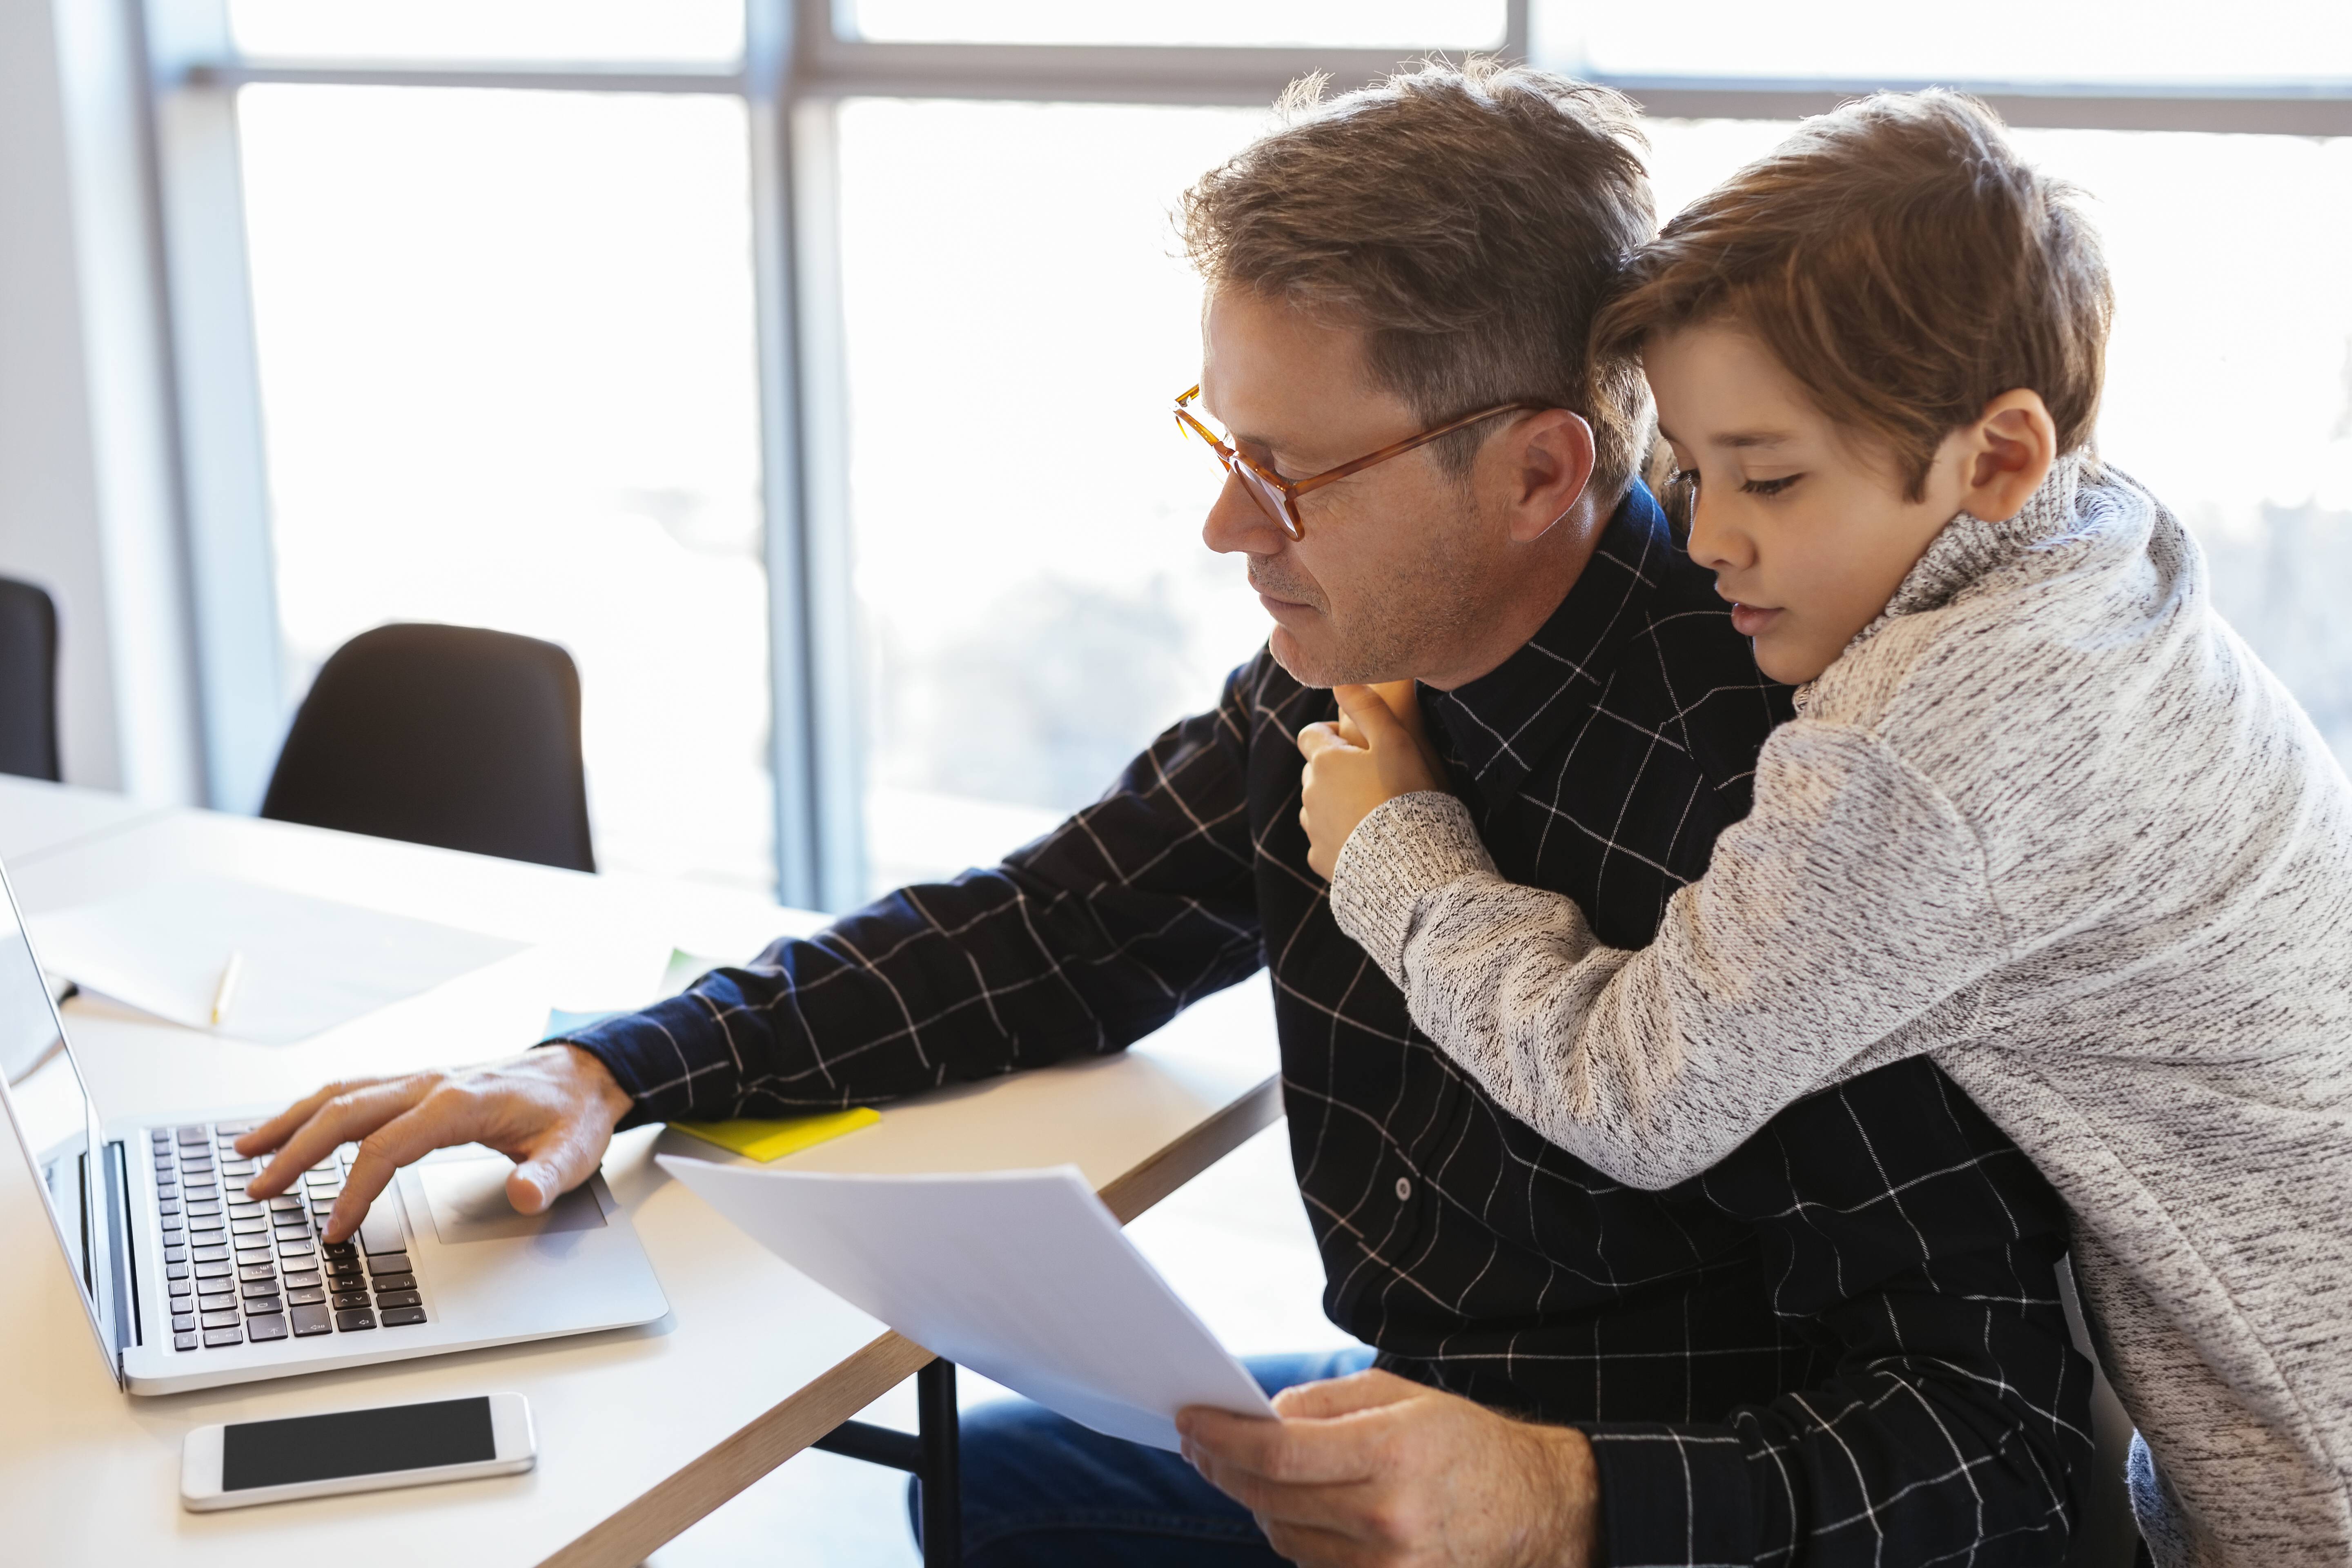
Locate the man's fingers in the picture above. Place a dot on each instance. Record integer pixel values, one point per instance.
(348, 1114)
(440, 1117)
(1293, 1453)
(1333, 1396)
(279, 1127)
(566, 1157)
(1312, 1548)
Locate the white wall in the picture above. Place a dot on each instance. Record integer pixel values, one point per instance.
(87, 492)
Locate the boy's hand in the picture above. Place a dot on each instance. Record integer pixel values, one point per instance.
(1376, 751)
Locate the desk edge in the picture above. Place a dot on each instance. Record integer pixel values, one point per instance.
(641, 1527)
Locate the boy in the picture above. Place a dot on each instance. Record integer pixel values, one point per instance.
(2039, 812)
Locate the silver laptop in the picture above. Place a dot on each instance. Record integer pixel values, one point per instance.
(190, 1284)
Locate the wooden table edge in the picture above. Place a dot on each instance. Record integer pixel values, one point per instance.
(642, 1526)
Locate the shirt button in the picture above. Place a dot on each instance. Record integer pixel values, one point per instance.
(1404, 1190)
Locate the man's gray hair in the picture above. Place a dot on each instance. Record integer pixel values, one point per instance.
(1471, 219)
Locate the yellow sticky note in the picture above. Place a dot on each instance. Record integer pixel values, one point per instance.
(766, 1141)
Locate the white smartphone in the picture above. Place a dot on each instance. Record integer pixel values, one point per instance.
(249, 1462)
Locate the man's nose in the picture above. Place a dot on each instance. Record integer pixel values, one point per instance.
(1237, 525)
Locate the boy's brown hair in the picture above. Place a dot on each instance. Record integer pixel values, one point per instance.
(1470, 220)
(1903, 263)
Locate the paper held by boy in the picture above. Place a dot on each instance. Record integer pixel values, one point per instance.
(1021, 1275)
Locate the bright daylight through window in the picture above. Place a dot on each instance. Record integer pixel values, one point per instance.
(508, 381)
(515, 331)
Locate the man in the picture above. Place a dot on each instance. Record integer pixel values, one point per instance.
(1843, 1344)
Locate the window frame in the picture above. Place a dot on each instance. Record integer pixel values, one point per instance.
(797, 65)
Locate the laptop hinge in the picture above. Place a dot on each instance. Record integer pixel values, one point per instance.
(121, 1256)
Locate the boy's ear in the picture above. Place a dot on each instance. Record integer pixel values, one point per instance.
(2007, 454)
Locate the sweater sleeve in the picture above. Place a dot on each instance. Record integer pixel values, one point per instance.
(1848, 904)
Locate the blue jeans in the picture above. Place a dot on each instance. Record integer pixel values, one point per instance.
(1040, 1491)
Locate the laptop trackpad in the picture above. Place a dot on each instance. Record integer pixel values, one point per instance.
(469, 1199)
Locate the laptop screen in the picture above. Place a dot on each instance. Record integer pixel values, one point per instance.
(41, 1089)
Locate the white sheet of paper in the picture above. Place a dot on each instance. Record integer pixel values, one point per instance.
(1021, 1275)
(309, 965)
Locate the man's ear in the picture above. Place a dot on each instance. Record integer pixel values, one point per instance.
(2006, 455)
(1547, 464)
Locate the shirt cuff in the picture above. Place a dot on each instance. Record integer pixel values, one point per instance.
(1405, 847)
(650, 1054)
(1672, 1497)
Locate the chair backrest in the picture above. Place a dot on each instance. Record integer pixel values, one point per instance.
(29, 681)
(446, 735)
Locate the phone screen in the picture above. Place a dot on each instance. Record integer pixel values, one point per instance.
(356, 1443)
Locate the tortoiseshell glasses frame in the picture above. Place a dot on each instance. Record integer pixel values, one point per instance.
(1278, 497)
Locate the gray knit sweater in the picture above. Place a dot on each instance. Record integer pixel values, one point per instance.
(2049, 820)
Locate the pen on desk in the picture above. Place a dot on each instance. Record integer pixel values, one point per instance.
(225, 993)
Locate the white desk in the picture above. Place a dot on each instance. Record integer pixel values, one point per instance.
(641, 1432)
(38, 818)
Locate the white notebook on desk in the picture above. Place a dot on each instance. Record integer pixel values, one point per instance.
(1021, 1275)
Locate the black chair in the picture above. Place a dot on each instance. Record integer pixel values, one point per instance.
(444, 735)
(28, 682)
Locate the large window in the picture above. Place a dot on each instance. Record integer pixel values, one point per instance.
(1033, 597)
(802, 366)
(508, 381)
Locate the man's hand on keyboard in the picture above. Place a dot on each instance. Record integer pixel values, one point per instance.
(551, 1110)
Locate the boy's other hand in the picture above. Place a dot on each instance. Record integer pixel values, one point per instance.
(1377, 751)
(551, 1110)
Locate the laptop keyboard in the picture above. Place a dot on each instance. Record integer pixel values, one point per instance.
(245, 1272)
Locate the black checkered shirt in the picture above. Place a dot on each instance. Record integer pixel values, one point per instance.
(1843, 1344)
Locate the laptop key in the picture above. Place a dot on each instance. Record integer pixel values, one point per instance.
(184, 1342)
(397, 1299)
(191, 1135)
(305, 1296)
(206, 1270)
(286, 1203)
(379, 1231)
(294, 1249)
(180, 1254)
(183, 1287)
(302, 1279)
(352, 1322)
(183, 1322)
(257, 1271)
(311, 1318)
(388, 1263)
(220, 1319)
(395, 1282)
(208, 1254)
(264, 1286)
(401, 1317)
(348, 1299)
(266, 1307)
(215, 1295)
(215, 1337)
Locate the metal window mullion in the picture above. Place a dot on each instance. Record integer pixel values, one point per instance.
(225, 488)
(820, 831)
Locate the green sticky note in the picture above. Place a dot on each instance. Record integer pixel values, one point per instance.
(766, 1141)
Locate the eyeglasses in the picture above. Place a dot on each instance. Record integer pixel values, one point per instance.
(1278, 497)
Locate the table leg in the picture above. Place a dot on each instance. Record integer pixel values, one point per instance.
(930, 1456)
(942, 1484)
